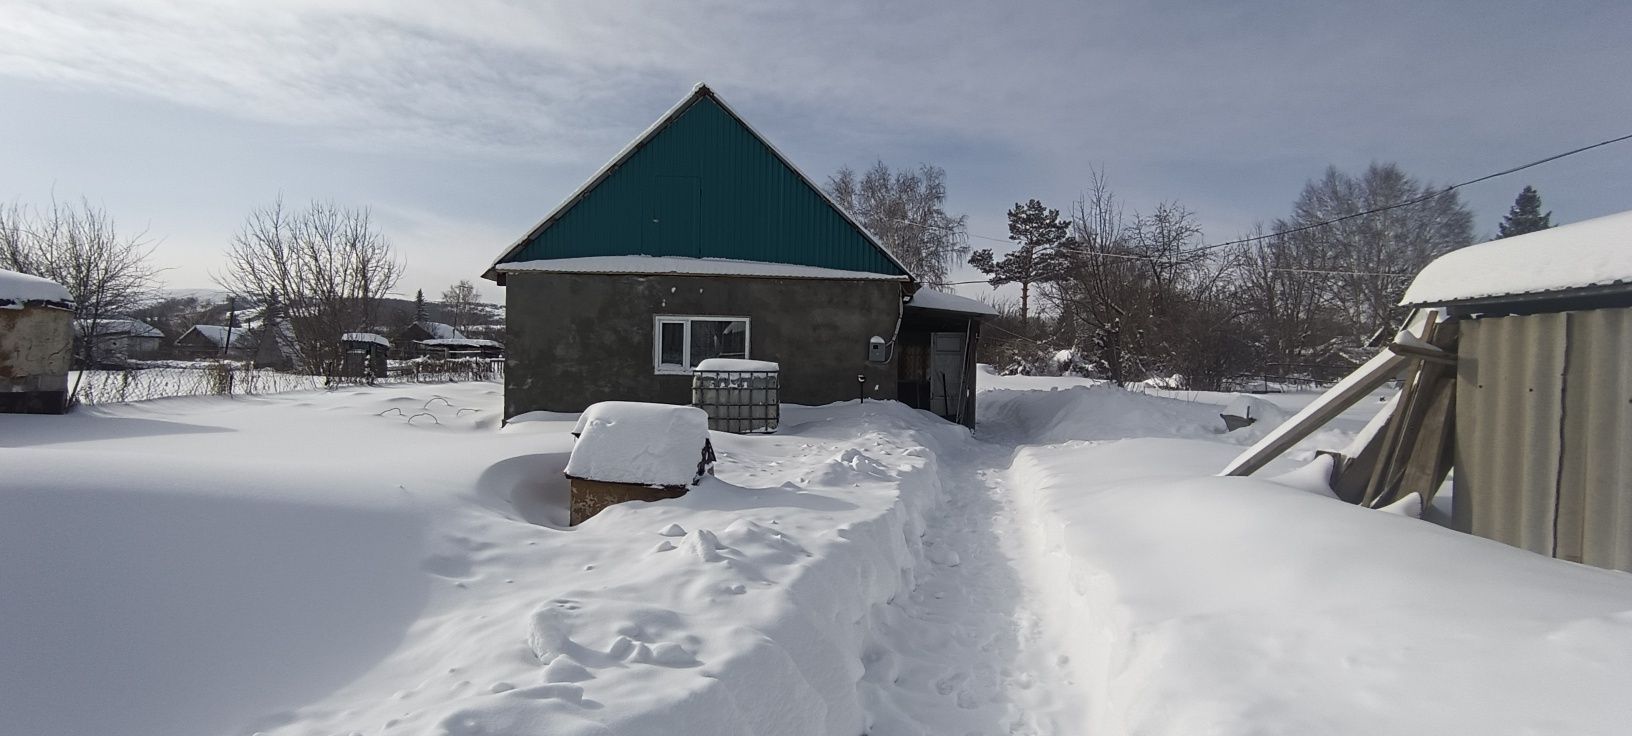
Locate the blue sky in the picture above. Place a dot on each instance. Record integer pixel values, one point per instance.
(460, 124)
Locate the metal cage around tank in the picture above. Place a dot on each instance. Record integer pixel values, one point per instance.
(738, 401)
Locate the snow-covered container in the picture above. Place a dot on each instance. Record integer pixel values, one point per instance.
(36, 344)
(632, 451)
(740, 396)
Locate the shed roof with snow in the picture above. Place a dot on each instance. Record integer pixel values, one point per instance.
(941, 301)
(1587, 258)
(368, 337)
(218, 335)
(117, 327)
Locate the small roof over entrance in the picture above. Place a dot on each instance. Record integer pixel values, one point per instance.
(941, 301)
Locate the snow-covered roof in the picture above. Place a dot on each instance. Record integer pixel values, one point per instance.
(462, 342)
(632, 442)
(944, 302)
(217, 334)
(737, 364)
(440, 331)
(365, 337)
(19, 289)
(113, 327)
(698, 92)
(689, 267)
(1581, 255)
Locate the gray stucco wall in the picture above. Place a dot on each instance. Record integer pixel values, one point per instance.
(576, 339)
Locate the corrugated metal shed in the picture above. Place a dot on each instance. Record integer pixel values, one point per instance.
(1544, 433)
(702, 184)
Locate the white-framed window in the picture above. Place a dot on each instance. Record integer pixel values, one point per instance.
(680, 342)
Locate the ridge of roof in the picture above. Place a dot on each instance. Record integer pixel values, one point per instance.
(699, 92)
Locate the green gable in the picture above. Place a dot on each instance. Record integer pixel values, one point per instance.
(702, 184)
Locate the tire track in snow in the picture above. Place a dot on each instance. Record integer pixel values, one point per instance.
(966, 650)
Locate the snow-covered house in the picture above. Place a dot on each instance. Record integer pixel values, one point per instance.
(1518, 373)
(202, 342)
(118, 339)
(36, 344)
(407, 342)
(700, 240)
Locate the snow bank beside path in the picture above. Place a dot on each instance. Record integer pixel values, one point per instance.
(1239, 606)
(389, 560)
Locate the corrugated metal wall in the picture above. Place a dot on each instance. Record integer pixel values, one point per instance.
(1509, 402)
(1544, 434)
(1595, 484)
(705, 186)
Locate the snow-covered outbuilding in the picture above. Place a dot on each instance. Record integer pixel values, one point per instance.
(36, 344)
(700, 240)
(1518, 373)
(119, 339)
(363, 355)
(408, 342)
(202, 342)
(459, 347)
(630, 451)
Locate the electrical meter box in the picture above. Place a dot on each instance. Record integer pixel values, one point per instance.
(878, 350)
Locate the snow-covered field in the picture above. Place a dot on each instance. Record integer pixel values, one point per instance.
(390, 560)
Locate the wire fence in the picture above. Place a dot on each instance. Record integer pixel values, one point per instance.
(169, 379)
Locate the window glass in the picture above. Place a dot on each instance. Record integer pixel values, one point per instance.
(672, 343)
(711, 338)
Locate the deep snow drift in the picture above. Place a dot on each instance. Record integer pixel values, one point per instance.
(390, 560)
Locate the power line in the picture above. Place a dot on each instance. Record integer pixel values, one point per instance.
(1302, 228)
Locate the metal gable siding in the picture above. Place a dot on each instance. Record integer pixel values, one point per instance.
(749, 205)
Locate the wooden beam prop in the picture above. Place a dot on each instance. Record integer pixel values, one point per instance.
(1375, 372)
(1418, 448)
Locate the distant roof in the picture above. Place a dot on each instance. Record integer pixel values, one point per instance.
(365, 337)
(440, 331)
(112, 327)
(217, 334)
(688, 266)
(944, 302)
(19, 289)
(461, 342)
(1587, 255)
(794, 200)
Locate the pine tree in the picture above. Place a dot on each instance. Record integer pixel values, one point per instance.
(1039, 258)
(1525, 215)
(421, 314)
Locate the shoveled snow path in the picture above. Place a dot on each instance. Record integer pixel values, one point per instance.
(967, 651)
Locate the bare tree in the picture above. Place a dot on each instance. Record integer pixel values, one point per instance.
(327, 266)
(461, 302)
(1371, 259)
(906, 210)
(79, 246)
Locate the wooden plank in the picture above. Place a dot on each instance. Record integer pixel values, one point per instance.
(1421, 397)
(1375, 372)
